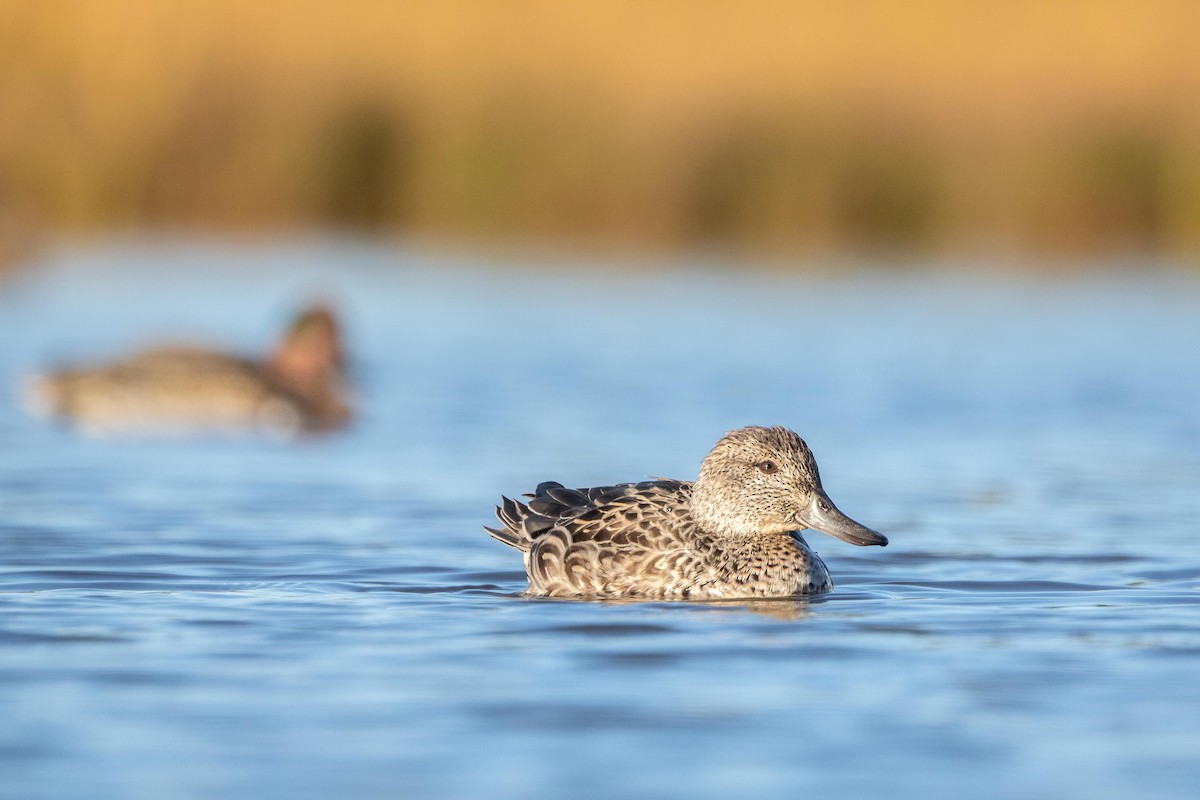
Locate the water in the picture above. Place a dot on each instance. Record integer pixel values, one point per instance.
(256, 619)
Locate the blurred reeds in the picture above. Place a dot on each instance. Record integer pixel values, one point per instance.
(1067, 127)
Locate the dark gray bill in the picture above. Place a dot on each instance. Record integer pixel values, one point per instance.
(822, 515)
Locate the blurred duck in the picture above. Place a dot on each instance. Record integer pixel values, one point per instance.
(297, 389)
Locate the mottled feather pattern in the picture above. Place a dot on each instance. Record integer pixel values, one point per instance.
(650, 540)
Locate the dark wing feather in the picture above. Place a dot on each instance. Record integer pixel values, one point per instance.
(553, 505)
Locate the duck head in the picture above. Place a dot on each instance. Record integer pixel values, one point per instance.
(765, 480)
(310, 363)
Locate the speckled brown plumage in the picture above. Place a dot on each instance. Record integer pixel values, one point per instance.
(733, 533)
(180, 390)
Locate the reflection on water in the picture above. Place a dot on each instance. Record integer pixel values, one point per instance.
(256, 619)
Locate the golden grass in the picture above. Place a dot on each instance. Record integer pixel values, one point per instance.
(1069, 126)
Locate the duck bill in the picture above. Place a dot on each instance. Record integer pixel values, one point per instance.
(822, 515)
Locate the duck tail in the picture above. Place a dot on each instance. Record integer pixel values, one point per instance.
(513, 533)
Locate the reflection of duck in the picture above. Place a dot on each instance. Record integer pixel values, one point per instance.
(179, 390)
(733, 533)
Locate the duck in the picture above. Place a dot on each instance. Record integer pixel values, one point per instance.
(183, 390)
(733, 533)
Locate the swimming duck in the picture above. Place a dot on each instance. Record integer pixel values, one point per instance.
(733, 533)
(181, 390)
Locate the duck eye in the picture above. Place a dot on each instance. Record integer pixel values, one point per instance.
(768, 466)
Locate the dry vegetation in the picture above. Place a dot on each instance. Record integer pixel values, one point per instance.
(1062, 127)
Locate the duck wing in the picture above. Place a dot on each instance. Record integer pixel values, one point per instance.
(600, 540)
(553, 505)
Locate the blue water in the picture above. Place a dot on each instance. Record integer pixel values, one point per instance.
(259, 619)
